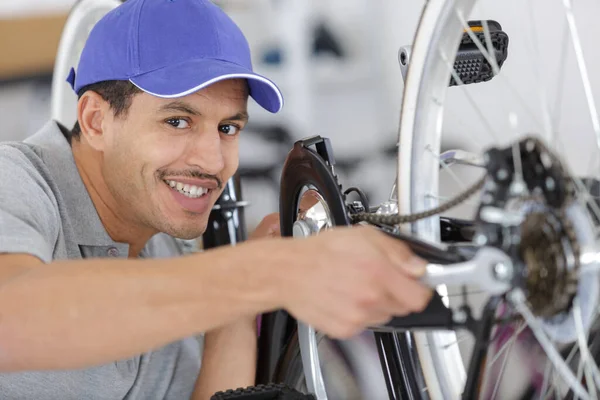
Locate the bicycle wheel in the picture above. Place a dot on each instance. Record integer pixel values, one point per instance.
(518, 102)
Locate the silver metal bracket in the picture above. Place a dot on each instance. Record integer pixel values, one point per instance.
(491, 270)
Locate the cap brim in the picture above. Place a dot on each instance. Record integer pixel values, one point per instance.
(186, 78)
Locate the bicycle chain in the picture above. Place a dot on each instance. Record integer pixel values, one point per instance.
(397, 219)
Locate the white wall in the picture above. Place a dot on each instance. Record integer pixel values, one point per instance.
(20, 8)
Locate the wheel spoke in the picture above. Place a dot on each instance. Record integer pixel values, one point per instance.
(583, 71)
(537, 73)
(583, 192)
(586, 359)
(455, 342)
(566, 374)
(557, 110)
(545, 386)
(505, 348)
(458, 181)
(504, 362)
(516, 152)
(446, 198)
(588, 198)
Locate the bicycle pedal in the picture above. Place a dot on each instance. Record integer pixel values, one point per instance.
(470, 64)
(263, 392)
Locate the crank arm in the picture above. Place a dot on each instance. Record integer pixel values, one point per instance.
(487, 267)
(490, 269)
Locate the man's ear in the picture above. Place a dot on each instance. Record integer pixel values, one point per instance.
(91, 111)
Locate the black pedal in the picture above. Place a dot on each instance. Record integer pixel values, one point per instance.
(470, 64)
(263, 392)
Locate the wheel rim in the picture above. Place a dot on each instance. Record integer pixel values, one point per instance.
(443, 368)
(311, 221)
(421, 125)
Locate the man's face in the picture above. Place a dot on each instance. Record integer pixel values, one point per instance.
(166, 162)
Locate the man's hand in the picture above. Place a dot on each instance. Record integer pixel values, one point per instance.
(347, 279)
(268, 227)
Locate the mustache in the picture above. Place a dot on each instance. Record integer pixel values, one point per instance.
(190, 173)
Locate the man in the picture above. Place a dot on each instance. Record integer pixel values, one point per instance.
(95, 302)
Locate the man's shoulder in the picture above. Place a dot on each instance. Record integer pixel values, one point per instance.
(29, 207)
(21, 160)
(26, 153)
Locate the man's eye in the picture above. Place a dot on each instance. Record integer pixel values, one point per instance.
(229, 130)
(178, 123)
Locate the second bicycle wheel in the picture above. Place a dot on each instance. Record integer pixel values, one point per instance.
(547, 88)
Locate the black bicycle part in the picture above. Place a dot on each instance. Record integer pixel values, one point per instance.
(262, 392)
(309, 162)
(539, 173)
(592, 185)
(305, 166)
(454, 230)
(435, 316)
(428, 251)
(226, 222)
(364, 201)
(548, 282)
(400, 366)
(482, 342)
(470, 64)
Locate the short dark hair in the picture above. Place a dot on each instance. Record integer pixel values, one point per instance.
(118, 94)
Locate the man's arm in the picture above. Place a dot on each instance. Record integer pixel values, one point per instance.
(79, 313)
(229, 356)
(228, 359)
(73, 314)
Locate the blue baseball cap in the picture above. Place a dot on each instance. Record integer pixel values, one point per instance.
(170, 48)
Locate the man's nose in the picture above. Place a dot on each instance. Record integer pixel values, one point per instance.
(206, 152)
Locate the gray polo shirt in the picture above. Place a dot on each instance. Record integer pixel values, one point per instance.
(45, 211)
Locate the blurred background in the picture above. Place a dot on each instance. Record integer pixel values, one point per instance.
(335, 61)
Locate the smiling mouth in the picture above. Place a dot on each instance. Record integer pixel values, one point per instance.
(191, 191)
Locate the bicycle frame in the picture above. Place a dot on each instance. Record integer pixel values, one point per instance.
(226, 223)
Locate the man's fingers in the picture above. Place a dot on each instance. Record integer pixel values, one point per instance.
(403, 258)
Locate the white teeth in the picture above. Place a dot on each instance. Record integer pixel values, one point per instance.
(188, 190)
